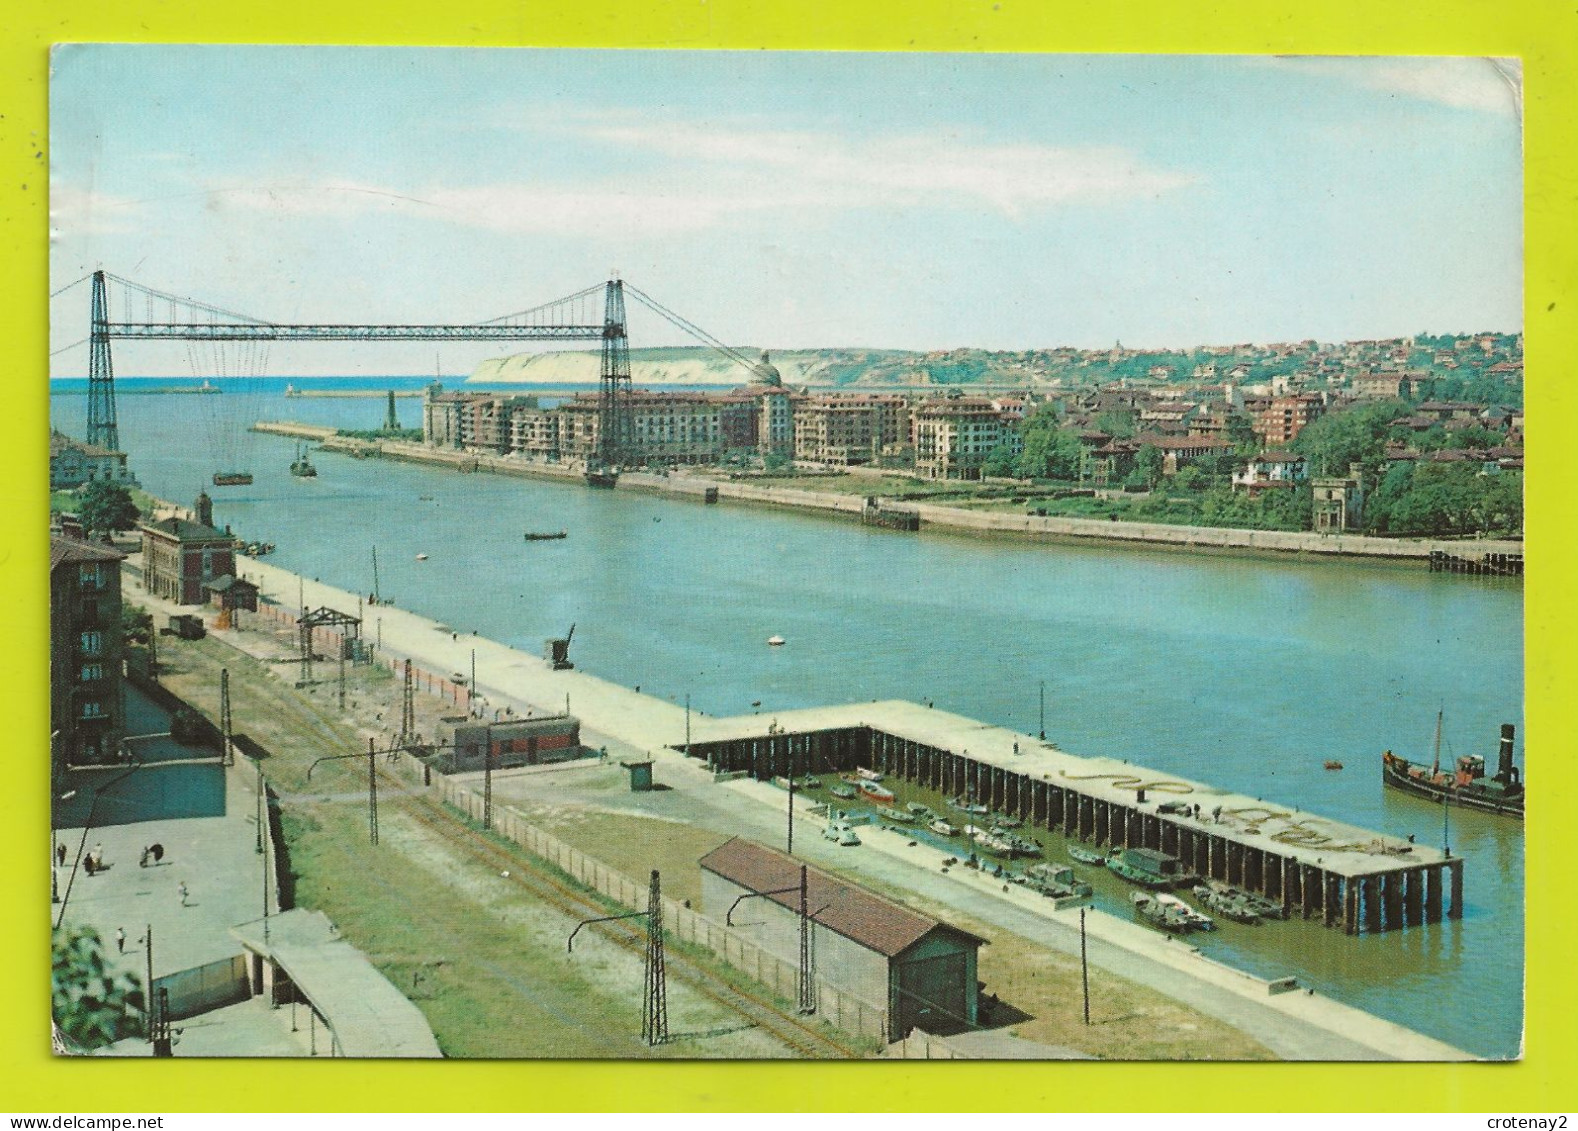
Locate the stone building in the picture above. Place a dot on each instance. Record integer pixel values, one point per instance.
(180, 556)
(73, 463)
(86, 708)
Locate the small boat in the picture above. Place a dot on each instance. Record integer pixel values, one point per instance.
(874, 791)
(1149, 868)
(1081, 855)
(1056, 880)
(964, 805)
(1004, 821)
(545, 536)
(843, 791)
(301, 467)
(898, 815)
(421, 557)
(1236, 910)
(943, 828)
(1158, 914)
(232, 478)
(809, 782)
(424, 498)
(922, 812)
(1332, 764)
(841, 833)
(604, 477)
(868, 775)
(1196, 920)
(776, 641)
(1223, 894)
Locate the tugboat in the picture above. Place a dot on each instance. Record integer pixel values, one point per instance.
(1466, 785)
(301, 467)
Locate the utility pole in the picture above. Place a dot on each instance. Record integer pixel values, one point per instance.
(654, 1021)
(147, 999)
(1043, 710)
(1084, 964)
(687, 724)
(340, 648)
(261, 808)
(407, 708)
(790, 848)
(807, 986)
(372, 794)
(266, 856)
(224, 715)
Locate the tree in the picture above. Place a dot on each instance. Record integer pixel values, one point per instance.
(1148, 463)
(774, 461)
(1117, 423)
(92, 1004)
(1000, 461)
(1355, 435)
(107, 507)
(136, 624)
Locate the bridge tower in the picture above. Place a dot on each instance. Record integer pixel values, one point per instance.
(102, 429)
(614, 439)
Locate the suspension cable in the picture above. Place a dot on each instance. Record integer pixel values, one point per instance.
(190, 303)
(689, 327)
(577, 297)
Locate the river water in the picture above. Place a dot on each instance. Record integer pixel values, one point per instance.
(1246, 673)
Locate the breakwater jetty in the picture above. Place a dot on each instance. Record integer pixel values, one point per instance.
(1352, 879)
(1476, 556)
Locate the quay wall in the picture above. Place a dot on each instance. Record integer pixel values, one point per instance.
(1046, 527)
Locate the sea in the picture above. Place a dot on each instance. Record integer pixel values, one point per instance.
(1245, 672)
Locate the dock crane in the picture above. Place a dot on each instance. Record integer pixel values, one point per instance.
(556, 651)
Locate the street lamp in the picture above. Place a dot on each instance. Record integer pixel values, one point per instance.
(98, 794)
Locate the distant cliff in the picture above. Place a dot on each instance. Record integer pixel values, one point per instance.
(828, 367)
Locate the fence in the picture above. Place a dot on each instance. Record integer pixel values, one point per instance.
(921, 1045)
(201, 988)
(834, 1005)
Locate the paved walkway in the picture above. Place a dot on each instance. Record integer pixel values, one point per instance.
(214, 857)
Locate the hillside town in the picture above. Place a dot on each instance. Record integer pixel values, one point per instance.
(1282, 436)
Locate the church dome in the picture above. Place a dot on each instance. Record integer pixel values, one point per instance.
(766, 372)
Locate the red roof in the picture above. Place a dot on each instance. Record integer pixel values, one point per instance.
(873, 921)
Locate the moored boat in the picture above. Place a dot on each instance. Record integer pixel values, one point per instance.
(899, 815)
(1466, 784)
(868, 775)
(965, 805)
(874, 791)
(1228, 907)
(1082, 855)
(546, 535)
(1057, 880)
(1148, 868)
(943, 828)
(1158, 914)
(1196, 920)
(232, 478)
(841, 790)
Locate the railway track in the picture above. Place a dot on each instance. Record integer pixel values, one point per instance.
(807, 1038)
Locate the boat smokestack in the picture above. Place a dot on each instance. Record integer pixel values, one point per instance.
(1505, 773)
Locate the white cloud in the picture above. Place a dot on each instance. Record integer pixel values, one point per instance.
(85, 212)
(705, 176)
(1493, 86)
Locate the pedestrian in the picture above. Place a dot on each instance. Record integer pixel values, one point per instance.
(183, 892)
(120, 939)
(98, 855)
(142, 861)
(60, 854)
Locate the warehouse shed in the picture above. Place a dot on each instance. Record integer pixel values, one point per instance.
(513, 742)
(921, 970)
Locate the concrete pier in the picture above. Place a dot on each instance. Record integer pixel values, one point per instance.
(1360, 881)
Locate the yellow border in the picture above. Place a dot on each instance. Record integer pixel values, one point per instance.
(1544, 34)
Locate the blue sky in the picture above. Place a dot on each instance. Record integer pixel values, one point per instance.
(790, 200)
